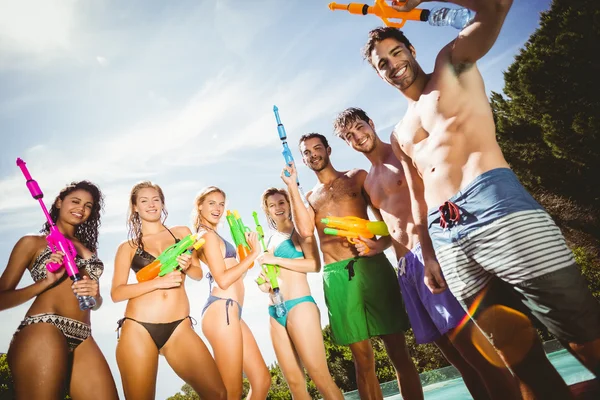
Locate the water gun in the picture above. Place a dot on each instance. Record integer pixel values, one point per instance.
(353, 227)
(287, 153)
(238, 229)
(384, 11)
(166, 262)
(270, 270)
(56, 240)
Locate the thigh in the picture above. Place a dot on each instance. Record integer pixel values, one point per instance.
(286, 353)
(304, 327)
(562, 301)
(39, 361)
(91, 377)
(226, 342)
(187, 354)
(254, 364)
(137, 358)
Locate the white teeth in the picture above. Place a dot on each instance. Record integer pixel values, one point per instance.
(363, 141)
(400, 73)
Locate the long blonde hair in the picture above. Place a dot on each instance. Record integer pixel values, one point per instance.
(134, 222)
(196, 217)
(270, 192)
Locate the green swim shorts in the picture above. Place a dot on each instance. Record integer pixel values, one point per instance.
(363, 299)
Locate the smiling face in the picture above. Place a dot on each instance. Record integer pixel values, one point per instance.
(211, 208)
(278, 208)
(76, 207)
(360, 135)
(149, 204)
(395, 63)
(314, 154)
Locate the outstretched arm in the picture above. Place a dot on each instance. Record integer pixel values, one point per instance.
(433, 274)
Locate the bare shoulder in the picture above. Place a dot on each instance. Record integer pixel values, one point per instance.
(356, 173)
(126, 247)
(181, 231)
(31, 244)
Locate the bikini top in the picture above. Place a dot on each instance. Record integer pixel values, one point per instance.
(141, 258)
(230, 252)
(93, 265)
(286, 247)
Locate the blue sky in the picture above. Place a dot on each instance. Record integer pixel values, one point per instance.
(182, 93)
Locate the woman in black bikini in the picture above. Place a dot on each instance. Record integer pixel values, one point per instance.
(157, 317)
(54, 343)
(232, 341)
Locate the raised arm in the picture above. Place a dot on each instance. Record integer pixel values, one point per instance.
(20, 257)
(210, 253)
(433, 274)
(474, 41)
(121, 290)
(304, 217)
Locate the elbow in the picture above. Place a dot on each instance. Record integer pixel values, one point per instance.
(305, 232)
(115, 296)
(223, 283)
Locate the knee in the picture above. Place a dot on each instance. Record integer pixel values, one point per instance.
(263, 384)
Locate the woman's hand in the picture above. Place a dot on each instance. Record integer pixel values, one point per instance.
(265, 287)
(85, 287)
(53, 277)
(185, 261)
(170, 280)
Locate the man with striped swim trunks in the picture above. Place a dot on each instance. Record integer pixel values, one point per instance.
(500, 252)
(435, 318)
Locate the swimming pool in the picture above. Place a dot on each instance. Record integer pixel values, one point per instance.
(452, 386)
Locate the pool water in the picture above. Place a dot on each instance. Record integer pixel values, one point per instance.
(451, 386)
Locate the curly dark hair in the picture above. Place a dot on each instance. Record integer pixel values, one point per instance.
(87, 232)
(380, 34)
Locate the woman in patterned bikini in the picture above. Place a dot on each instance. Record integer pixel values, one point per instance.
(297, 337)
(54, 341)
(157, 317)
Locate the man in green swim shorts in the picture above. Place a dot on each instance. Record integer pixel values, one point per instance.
(361, 289)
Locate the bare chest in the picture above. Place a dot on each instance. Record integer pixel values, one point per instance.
(384, 183)
(340, 192)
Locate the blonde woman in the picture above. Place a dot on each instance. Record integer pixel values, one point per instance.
(233, 344)
(297, 337)
(157, 317)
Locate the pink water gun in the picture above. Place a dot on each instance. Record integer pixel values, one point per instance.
(56, 240)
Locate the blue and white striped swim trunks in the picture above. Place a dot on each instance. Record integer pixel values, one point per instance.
(493, 227)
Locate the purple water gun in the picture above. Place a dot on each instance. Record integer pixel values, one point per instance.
(57, 241)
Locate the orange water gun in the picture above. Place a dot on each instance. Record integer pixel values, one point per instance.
(353, 227)
(384, 11)
(167, 260)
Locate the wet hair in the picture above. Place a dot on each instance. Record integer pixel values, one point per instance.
(380, 34)
(87, 232)
(265, 196)
(196, 217)
(134, 222)
(347, 118)
(313, 135)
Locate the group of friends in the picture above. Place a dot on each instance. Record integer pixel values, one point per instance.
(480, 262)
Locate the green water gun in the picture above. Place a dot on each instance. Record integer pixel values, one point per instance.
(238, 230)
(166, 262)
(271, 271)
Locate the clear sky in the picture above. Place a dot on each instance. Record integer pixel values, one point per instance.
(181, 93)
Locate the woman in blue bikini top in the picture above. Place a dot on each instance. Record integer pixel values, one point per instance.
(232, 341)
(297, 336)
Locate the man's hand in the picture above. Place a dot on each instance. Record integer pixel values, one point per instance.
(290, 169)
(433, 277)
(367, 247)
(404, 6)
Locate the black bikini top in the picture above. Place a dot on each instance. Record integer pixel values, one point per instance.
(141, 258)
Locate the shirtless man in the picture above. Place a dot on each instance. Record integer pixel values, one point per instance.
(494, 242)
(437, 318)
(362, 293)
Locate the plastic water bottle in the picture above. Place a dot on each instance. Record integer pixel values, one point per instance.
(455, 17)
(279, 303)
(86, 302)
